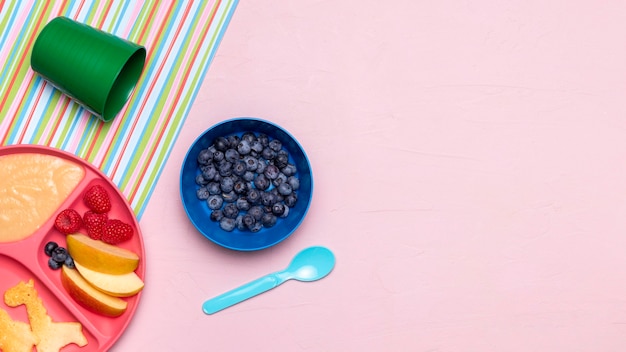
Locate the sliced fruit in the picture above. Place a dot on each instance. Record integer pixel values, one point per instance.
(102, 257)
(124, 285)
(85, 294)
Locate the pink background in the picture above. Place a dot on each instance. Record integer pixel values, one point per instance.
(470, 176)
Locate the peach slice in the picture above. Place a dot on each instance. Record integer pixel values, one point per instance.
(123, 285)
(101, 257)
(85, 294)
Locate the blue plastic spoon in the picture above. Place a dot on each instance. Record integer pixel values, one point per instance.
(310, 264)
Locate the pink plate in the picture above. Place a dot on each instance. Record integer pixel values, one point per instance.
(25, 259)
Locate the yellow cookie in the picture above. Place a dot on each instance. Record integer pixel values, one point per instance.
(16, 336)
(52, 335)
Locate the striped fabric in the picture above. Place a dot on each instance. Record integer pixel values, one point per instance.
(180, 37)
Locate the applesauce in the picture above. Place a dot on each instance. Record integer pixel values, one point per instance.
(32, 187)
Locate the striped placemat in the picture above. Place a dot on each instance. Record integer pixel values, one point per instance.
(181, 38)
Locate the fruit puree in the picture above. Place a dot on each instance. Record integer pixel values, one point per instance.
(32, 188)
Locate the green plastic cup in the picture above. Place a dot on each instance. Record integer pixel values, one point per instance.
(95, 68)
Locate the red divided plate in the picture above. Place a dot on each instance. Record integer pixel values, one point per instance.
(25, 259)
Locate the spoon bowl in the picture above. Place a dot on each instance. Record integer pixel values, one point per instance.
(310, 264)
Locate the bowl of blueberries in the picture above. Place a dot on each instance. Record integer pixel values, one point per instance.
(246, 184)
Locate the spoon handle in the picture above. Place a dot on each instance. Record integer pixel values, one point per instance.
(241, 293)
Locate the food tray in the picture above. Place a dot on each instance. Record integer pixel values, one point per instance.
(25, 259)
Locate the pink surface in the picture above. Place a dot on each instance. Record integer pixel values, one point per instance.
(469, 175)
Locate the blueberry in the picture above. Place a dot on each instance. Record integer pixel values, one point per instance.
(256, 146)
(256, 227)
(200, 180)
(275, 145)
(230, 197)
(244, 147)
(289, 170)
(214, 188)
(278, 209)
(221, 144)
(204, 157)
(248, 221)
(294, 182)
(243, 204)
(263, 139)
(271, 171)
(225, 168)
(217, 215)
(268, 220)
(285, 213)
(250, 162)
(248, 136)
(283, 152)
(268, 154)
(218, 156)
(281, 161)
(227, 224)
(202, 193)
(240, 187)
(239, 223)
(248, 176)
(50, 247)
(261, 182)
(279, 179)
(215, 202)
(279, 197)
(268, 199)
(226, 184)
(230, 210)
(284, 189)
(209, 171)
(256, 211)
(59, 255)
(260, 168)
(69, 262)
(54, 265)
(233, 140)
(231, 155)
(239, 168)
(290, 200)
(254, 196)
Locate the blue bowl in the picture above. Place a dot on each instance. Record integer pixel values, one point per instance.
(198, 211)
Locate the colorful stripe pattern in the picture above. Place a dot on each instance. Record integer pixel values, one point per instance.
(181, 38)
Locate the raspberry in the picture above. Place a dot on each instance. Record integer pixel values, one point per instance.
(94, 223)
(97, 199)
(116, 231)
(68, 221)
